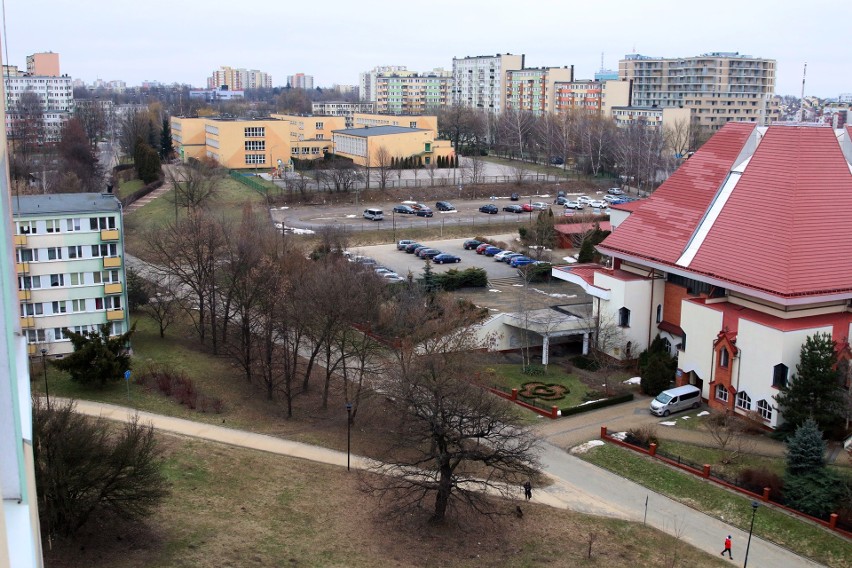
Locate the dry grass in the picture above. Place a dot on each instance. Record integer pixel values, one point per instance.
(232, 508)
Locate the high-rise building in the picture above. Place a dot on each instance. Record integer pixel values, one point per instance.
(533, 89)
(413, 93)
(367, 80)
(342, 108)
(478, 82)
(239, 79)
(45, 64)
(719, 87)
(301, 81)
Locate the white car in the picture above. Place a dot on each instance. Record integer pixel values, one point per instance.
(614, 191)
(502, 255)
(539, 205)
(611, 198)
(598, 204)
(584, 200)
(575, 205)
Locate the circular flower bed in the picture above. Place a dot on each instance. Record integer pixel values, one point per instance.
(543, 391)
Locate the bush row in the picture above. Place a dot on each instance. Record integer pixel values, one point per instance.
(597, 404)
(454, 279)
(180, 387)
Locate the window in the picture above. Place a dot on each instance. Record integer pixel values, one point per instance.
(99, 303)
(96, 277)
(54, 253)
(255, 158)
(413, 124)
(724, 357)
(59, 307)
(743, 400)
(59, 334)
(779, 375)
(29, 282)
(113, 302)
(117, 328)
(57, 280)
(36, 336)
(101, 223)
(659, 313)
(77, 279)
(721, 393)
(255, 132)
(110, 276)
(624, 317)
(105, 250)
(320, 136)
(253, 145)
(26, 227)
(31, 310)
(27, 255)
(78, 306)
(319, 125)
(53, 225)
(75, 252)
(764, 409)
(72, 225)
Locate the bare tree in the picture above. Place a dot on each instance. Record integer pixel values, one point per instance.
(93, 118)
(729, 432)
(164, 305)
(343, 176)
(194, 183)
(26, 133)
(594, 136)
(515, 131)
(472, 169)
(381, 161)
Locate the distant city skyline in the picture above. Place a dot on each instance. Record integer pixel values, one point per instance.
(183, 42)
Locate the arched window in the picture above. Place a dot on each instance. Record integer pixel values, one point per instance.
(743, 400)
(659, 313)
(721, 393)
(764, 409)
(724, 357)
(779, 375)
(624, 317)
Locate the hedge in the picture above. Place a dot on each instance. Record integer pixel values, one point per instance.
(597, 404)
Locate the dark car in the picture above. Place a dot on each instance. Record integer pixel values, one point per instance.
(513, 209)
(444, 206)
(424, 212)
(471, 244)
(515, 197)
(481, 248)
(491, 251)
(405, 209)
(410, 247)
(556, 160)
(490, 208)
(404, 243)
(445, 258)
(429, 253)
(509, 257)
(420, 249)
(561, 200)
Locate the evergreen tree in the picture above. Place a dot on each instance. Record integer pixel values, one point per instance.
(147, 162)
(137, 290)
(166, 145)
(808, 485)
(814, 391)
(587, 251)
(97, 357)
(657, 376)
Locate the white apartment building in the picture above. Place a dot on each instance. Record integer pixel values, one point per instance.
(301, 81)
(367, 80)
(55, 93)
(479, 82)
(239, 79)
(343, 108)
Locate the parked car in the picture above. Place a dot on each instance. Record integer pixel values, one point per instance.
(471, 244)
(574, 205)
(615, 191)
(404, 209)
(520, 261)
(491, 251)
(489, 208)
(444, 206)
(611, 198)
(527, 207)
(509, 257)
(429, 253)
(419, 250)
(513, 209)
(540, 206)
(404, 243)
(373, 214)
(424, 212)
(412, 247)
(598, 203)
(556, 161)
(584, 199)
(514, 197)
(419, 206)
(445, 258)
(481, 248)
(393, 277)
(561, 200)
(502, 255)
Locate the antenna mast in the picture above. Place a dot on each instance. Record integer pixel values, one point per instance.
(802, 100)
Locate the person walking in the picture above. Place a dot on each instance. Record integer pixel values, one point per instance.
(528, 490)
(727, 548)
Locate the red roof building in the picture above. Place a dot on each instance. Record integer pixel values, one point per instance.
(738, 257)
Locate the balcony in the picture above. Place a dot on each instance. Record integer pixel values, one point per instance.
(20, 240)
(112, 262)
(114, 288)
(115, 315)
(22, 267)
(25, 295)
(32, 349)
(27, 322)
(109, 234)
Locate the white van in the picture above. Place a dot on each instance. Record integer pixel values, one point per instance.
(675, 400)
(374, 214)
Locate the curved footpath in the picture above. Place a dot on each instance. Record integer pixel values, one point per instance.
(578, 486)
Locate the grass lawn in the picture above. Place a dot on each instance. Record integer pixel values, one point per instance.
(129, 187)
(715, 457)
(774, 526)
(231, 507)
(511, 376)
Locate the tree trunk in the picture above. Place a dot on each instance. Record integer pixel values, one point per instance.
(445, 487)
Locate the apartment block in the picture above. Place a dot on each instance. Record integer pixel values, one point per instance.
(577, 96)
(69, 260)
(54, 91)
(367, 80)
(651, 117)
(533, 89)
(719, 86)
(342, 108)
(45, 64)
(478, 82)
(300, 81)
(413, 93)
(239, 79)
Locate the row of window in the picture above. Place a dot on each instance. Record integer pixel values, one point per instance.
(743, 401)
(305, 150)
(36, 309)
(66, 225)
(74, 252)
(74, 279)
(57, 333)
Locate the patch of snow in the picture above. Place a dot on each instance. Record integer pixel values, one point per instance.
(583, 448)
(351, 216)
(553, 295)
(284, 208)
(619, 436)
(684, 417)
(668, 423)
(591, 401)
(494, 290)
(703, 413)
(633, 381)
(517, 285)
(569, 259)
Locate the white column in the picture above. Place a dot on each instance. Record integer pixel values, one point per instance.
(585, 344)
(545, 350)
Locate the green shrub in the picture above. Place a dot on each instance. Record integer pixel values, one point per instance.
(598, 404)
(454, 279)
(534, 371)
(586, 363)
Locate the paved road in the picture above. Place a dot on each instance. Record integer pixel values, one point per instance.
(577, 486)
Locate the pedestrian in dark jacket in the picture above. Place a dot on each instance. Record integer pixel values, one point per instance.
(528, 490)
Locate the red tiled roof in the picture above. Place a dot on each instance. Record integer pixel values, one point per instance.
(584, 271)
(783, 227)
(670, 328)
(628, 205)
(577, 228)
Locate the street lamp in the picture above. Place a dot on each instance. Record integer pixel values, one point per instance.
(44, 368)
(754, 506)
(348, 433)
(393, 217)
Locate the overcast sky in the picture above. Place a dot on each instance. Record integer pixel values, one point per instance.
(333, 40)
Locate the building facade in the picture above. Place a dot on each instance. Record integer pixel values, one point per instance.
(342, 108)
(734, 290)
(374, 146)
(300, 81)
(413, 93)
(479, 82)
(650, 117)
(577, 96)
(533, 89)
(721, 87)
(44, 64)
(425, 122)
(367, 80)
(234, 143)
(53, 90)
(69, 251)
(239, 79)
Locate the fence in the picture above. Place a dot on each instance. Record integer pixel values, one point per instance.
(249, 181)
(705, 471)
(312, 184)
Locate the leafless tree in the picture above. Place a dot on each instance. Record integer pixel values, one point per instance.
(343, 176)
(515, 133)
(454, 439)
(26, 133)
(164, 305)
(594, 136)
(472, 169)
(729, 432)
(465, 127)
(92, 116)
(194, 183)
(381, 161)
(431, 170)
(132, 127)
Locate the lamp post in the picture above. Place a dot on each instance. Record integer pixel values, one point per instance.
(348, 433)
(44, 369)
(393, 217)
(754, 506)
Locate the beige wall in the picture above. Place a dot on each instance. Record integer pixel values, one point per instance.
(44, 64)
(426, 122)
(415, 143)
(311, 127)
(614, 94)
(229, 143)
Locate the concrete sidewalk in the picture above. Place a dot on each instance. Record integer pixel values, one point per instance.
(577, 486)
